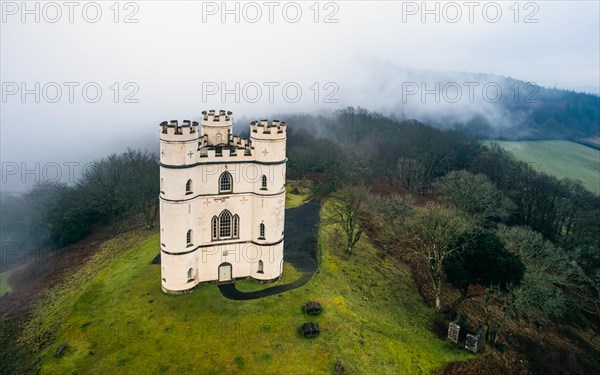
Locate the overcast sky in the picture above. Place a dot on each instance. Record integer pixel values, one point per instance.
(171, 60)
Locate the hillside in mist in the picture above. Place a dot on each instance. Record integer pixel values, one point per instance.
(478, 104)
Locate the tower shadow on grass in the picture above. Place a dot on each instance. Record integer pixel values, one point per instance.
(301, 224)
(230, 291)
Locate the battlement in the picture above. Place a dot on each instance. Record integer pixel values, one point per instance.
(263, 130)
(240, 142)
(224, 155)
(236, 142)
(185, 143)
(174, 131)
(212, 118)
(263, 126)
(187, 125)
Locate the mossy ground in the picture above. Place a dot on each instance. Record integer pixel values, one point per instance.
(5, 287)
(298, 192)
(117, 320)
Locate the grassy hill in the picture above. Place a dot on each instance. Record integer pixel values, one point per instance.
(115, 319)
(5, 287)
(561, 159)
(298, 192)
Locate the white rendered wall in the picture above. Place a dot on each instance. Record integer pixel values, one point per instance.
(181, 211)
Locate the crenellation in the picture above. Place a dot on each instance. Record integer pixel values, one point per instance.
(176, 132)
(202, 142)
(263, 130)
(211, 117)
(188, 124)
(263, 127)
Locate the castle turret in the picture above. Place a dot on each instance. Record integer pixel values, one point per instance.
(269, 149)
(178, 142)
(268, 140)
(217, 127)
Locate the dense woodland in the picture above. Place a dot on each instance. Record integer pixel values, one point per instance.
(540, 113)
(551, 225)
(460, 209)
(60, 214)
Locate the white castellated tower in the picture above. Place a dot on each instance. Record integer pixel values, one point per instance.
(222, 201)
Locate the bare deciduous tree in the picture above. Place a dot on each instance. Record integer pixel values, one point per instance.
(345, 208)
(434, 228)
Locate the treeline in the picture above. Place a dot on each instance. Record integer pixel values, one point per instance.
(61, 214)
(541, 113)
(552, 224)
(357, 145)
(559, 114)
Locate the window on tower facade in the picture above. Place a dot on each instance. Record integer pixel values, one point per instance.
(225, 225)
(225, 183)
(188, 187)
(189, 238)
(264, 182)
(261, 267)
(236, 226)
(215, 228)
(262, 231)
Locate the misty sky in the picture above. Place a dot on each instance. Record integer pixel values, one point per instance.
(177, 52)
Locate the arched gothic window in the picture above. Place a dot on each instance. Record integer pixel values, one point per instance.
(188, 187)
(225, 225)
(225, 183)
(188, 238)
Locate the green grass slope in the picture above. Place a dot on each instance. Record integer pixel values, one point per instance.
(561, 159)
(5, 287)
(298, 193)
(118, 321)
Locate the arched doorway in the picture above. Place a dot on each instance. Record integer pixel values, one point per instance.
(225, 272)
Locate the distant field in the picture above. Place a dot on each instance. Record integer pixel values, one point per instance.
(559, 158)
